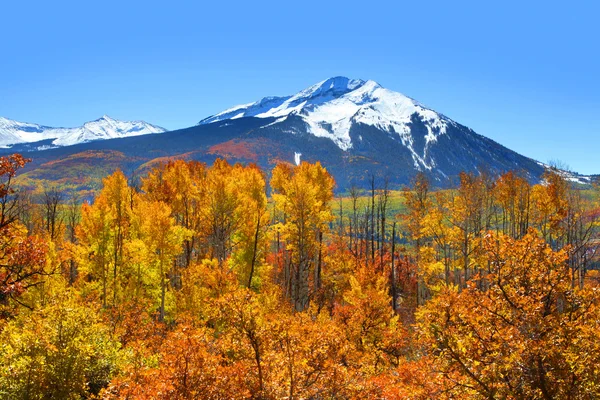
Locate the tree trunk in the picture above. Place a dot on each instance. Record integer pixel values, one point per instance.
(256, 233)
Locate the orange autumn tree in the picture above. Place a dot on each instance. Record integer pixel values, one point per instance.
(372, 328)
(9, 165)
(513, 195)
(519, 331)
(22, 257)
(182, 186)
(185, 366)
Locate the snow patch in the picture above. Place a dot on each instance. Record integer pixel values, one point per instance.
(569, 175)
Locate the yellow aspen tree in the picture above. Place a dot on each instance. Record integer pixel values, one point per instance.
(103, 232)
(162, 238)
(303, 194)
(251, 237)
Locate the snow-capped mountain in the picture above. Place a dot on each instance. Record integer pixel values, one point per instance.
(360, 128)
(330, 108)
(357, 129)
(14, 132)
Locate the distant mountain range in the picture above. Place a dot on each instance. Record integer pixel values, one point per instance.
(14, 132)
(356, 128)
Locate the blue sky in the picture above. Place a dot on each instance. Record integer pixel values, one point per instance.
(524, 73)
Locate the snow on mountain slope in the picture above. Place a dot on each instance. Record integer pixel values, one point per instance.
(570, 176)
(14, 132)
(331, 107)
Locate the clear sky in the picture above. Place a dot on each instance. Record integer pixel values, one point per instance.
(524, 73)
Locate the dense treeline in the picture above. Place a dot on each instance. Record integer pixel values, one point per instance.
(193, 283)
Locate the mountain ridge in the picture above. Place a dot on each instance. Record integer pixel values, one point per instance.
(14, 132)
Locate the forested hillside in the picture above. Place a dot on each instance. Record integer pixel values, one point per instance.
(214, 282)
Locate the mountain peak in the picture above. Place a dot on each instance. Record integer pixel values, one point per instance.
(332, 107)
(337, 84)
(103, 120)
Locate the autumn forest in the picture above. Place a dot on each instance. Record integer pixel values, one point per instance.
(230, 282)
